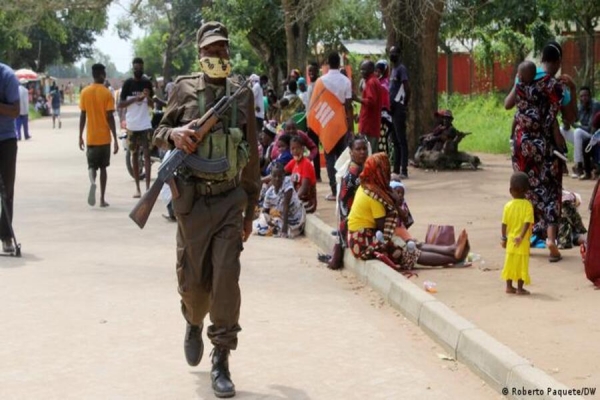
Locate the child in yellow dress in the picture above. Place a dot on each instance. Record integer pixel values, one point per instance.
(517, 220)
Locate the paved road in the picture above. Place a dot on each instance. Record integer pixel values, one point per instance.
(91, 310)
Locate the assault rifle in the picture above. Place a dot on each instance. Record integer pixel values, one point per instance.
(178, 157)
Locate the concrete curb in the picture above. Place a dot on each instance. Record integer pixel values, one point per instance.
(500, 367)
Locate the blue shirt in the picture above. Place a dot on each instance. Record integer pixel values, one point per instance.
(9, 94)
(55, 94)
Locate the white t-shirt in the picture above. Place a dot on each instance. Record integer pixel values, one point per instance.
(138, 115)
(338, 84)
(23, 101)
(258, 100)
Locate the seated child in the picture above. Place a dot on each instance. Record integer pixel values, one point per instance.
(285, 156)
(303, 175)
(405, 219)
(282, 212)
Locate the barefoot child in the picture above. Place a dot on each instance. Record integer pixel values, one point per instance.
(517, 220)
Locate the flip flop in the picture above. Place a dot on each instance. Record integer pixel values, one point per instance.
(555, 258)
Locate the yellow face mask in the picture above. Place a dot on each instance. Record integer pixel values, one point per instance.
(215, 67)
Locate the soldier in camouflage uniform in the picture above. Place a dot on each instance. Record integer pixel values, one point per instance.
(214, 210)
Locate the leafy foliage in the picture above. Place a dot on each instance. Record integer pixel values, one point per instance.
(35, 34)
(345, 20)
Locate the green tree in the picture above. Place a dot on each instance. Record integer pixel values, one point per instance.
(173, 24)
(261, 22)
(345, 20)
(584, 17)
(413, 26)
(504, 31)
(298, 18)
(35, 34)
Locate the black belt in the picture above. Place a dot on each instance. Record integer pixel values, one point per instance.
(213, 188)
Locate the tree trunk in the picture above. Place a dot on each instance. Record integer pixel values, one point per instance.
(296, 34)
(414, 25)
(167, 62)
(270, 55)
(449, 67)
(589, 53)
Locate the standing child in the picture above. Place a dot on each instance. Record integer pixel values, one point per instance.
(517, 220)
(303, 175)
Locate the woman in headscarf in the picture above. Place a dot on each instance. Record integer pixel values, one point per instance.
(536, 141)
(374, 217)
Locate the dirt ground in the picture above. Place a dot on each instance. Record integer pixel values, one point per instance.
(555, 327)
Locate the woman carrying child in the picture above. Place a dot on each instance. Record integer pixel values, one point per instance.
(517, 220)
(374, 217)
(282, 214)
(302, 175)
(535, 140)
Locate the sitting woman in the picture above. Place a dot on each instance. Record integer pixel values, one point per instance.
(303, 175)
(282, 212)
(350, 183)
(374, 217)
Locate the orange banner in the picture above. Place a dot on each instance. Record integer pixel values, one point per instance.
(327, 116)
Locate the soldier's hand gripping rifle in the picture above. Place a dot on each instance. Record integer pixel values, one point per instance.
(177, 157)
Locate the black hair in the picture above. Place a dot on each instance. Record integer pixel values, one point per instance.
(552, 52)
(277, 166)
(586, 88)
(292, 86)
(334, 60)
(138, 60)
(285, 138)
(313, 64)
(356, 138)
(297, 139)
(97, 70)
(519, 181)
(264, 78)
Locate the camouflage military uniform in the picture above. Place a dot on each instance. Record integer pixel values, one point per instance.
(210, 214)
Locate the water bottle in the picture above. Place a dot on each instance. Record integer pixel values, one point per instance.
(429, 287)
(411, 246)
(379, 236)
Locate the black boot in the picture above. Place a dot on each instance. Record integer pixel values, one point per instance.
(192, 344)
(221, 379)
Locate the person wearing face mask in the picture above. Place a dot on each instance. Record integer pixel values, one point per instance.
(136, 98)
(214, 210)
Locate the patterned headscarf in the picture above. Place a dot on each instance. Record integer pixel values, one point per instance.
(375, 181)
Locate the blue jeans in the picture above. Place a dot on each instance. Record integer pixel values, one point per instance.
(22, 121)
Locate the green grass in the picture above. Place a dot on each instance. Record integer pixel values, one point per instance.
(33, 114)
(485, 117)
